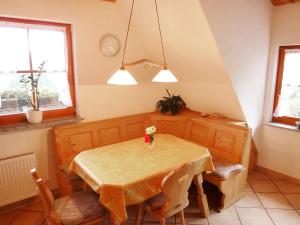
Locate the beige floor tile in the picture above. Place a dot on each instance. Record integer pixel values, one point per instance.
(7, 217)
(274, 201)
(263, 186)
(29, 218)
(248, 188)
(284, 217)
(294, 199)
(257, 176)
(193, 218)
(287, 188)
(226, 217)
(254, 216)
(249, 200)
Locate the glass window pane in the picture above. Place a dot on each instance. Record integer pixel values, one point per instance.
(54, 91)
(12, 95)
(291, 73)
(50, 46)
(13, 49)
(289, 99)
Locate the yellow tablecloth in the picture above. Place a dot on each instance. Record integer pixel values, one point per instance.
(130, 172)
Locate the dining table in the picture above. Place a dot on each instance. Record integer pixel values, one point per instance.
(130, 172)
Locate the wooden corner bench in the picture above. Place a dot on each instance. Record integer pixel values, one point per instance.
(228, 141)
(229, 145)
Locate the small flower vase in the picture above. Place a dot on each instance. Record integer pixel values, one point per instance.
(149, 138)
(151, 144)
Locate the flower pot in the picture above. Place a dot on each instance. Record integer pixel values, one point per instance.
(34, 116)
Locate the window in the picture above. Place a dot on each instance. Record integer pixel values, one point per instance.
(24, 45)
(287, 92)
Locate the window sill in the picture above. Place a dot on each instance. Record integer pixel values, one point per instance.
(45, 124)
(283, 126)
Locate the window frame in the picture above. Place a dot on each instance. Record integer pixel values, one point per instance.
(56, 113)
(279, 76)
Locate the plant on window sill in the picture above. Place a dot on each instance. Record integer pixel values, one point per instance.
(30, 84)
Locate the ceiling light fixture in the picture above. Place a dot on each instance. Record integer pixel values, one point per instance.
(122, 76)
(165, 75)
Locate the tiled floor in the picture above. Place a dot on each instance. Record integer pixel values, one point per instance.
(266, 202)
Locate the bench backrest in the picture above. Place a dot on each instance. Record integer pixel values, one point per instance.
(222, 137)
(72, 139)
(224, 140)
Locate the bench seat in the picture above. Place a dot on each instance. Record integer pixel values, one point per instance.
(224, 169)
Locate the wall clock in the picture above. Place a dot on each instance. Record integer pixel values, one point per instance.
(109, 45)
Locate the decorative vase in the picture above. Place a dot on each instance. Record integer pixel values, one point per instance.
(34, 116)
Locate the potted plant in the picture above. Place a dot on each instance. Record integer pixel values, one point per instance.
(31, 85)
(172, 103)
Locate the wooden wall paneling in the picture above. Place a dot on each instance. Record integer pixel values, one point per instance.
(174, 125)
(76, 142)
(109, 132)
(198, 132)
(134, 127)
(222, 139)
(228, 143)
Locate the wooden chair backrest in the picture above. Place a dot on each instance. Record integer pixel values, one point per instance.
(47, 198)
(175, 187)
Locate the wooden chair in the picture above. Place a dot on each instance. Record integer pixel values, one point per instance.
(174, 196)
(78, 208)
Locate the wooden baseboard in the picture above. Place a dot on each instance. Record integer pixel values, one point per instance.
(277, 176)
(28, 201)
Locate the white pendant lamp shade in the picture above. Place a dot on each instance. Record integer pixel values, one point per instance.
(165, 76)
(122, 77)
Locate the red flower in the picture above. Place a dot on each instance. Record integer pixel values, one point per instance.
(147, 138)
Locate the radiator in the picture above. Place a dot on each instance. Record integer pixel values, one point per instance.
(15, 179)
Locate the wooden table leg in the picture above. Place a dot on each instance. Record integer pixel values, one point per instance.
(202, 200)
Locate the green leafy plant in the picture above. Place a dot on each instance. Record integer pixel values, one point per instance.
(31, 85)
(172, 103)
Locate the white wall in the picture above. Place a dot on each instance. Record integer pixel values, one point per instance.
(242, 29)
(281, 147)
(96, 100)
(191, 53)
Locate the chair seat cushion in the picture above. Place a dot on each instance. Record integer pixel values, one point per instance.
(224, 169)
(70, 176)
(79, 207)
(155, 203)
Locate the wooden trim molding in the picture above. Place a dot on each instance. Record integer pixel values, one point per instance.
(278, 176)
(283, 2)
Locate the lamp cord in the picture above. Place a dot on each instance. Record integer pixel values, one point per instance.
(161, 41)
(128, 27)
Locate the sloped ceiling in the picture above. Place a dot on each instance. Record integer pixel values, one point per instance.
(191, 52)
(242, 29)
